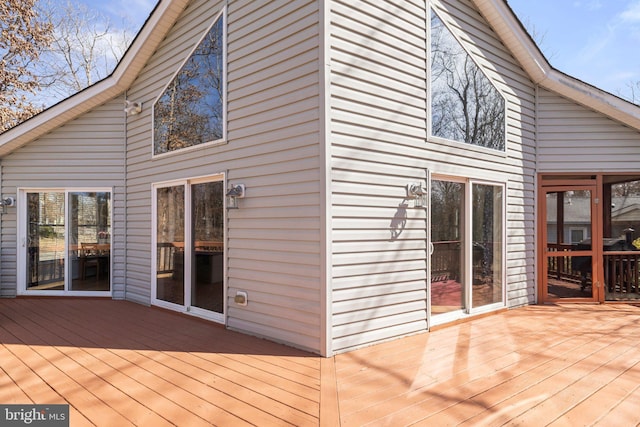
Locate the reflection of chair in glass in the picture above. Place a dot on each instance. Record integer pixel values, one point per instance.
(90, 257)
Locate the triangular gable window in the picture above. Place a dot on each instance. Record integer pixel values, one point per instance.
(190, 111)
(465, 106)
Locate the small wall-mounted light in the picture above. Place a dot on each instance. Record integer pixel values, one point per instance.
(132, 108)
(7, 201)
(417, 193)
(235, 192)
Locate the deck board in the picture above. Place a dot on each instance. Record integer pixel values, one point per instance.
(549, 361)
(120, 363)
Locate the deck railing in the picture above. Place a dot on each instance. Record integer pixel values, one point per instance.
(567, 267)
(621, 277)
(621, 271)
(167, 253)
(445, 261)
(165, 258)
(44, 272)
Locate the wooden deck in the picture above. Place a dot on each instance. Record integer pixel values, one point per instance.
(117, 364)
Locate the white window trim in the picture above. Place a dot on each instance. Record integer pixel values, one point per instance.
(21, 244)
(220, 141)
(585, 232)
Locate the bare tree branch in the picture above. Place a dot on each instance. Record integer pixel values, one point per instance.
(632, 92)
(23, 35)
(86, 48)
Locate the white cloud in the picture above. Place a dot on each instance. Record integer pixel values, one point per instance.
(134, 12)
(616, 32)
(631, 13)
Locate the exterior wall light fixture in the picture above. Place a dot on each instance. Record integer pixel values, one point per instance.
(132, 108)
(417, 193)
(6, 201)
(235, 192)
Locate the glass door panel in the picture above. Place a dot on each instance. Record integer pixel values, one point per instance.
(487, 237)
(621, 242)
(90, 240)
(45, 241)
(207, 219)
(447, 238)
(170, 237)
(568, 245)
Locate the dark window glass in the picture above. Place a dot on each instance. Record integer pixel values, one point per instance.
(448, 289)
(465, 106)
(191, 109)
(170, 244)
(487, 264)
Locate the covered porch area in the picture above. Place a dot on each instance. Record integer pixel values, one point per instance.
(119, 363)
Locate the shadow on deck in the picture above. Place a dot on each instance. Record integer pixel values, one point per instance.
(119, 363)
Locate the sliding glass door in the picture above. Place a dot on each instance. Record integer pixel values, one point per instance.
(467, 248)
(189, 246)
(66, 241)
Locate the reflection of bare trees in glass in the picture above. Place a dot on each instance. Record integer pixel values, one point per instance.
(170, 211)
(627, 188)
(487, 221)
(485, 210)
(212, 76)
(487, 244)
(208, 211)
(45, 237)
(446, 210)
(190, 111)
(90, 220)
(465, 106)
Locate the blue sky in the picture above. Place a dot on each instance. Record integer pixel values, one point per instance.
(125, 17)
(597, 41)
(133, 11)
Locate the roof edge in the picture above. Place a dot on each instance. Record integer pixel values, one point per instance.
(153, 31)
(513, 34)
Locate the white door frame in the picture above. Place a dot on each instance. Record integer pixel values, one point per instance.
(468, 310)
(188, 254)
(21, 244)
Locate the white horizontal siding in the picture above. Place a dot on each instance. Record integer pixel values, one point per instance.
(378, 104)
(380, 143)
(272, 147)
(87, 152)
(274, 238)
(572, 138)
